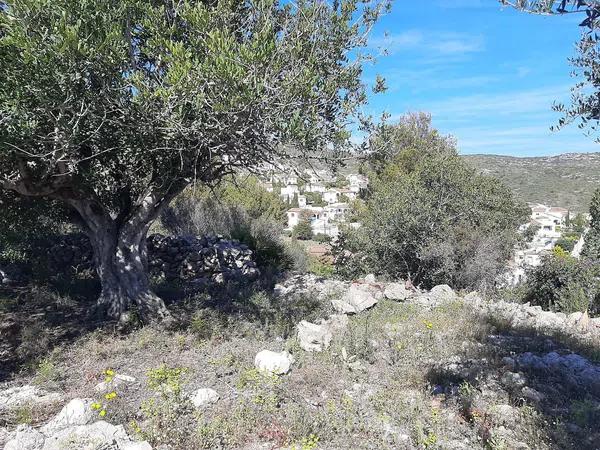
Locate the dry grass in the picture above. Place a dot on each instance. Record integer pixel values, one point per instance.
(387, 382)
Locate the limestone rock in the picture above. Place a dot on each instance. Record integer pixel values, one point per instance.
(396, 291)
(204, 397)
(443, 293)
(77, 412)
(370, 279)
(313, 337)
(358, 298)
(273, 363)
(25, 438)
(27, 395)
(93, 436)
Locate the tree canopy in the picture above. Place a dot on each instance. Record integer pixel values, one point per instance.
(429, 216)
(115, 107)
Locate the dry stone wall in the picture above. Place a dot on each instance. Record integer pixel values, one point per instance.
(209, 258)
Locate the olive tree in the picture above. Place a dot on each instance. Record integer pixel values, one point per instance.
(114, 107)
(585, 95)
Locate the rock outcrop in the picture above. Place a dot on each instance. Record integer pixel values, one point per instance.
(74, 428)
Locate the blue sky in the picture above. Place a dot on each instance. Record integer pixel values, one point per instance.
(488, 75)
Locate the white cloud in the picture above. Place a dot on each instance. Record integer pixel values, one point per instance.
(429, 43)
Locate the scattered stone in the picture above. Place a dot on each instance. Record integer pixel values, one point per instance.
(92, 437)
(25, 438)
(204, 397)
(77, 412)
(117, 380)
(274, 363)
(396, 291)
(313, 337)
(358, 298)
(27, 395)
(513, 380)
(370, 279)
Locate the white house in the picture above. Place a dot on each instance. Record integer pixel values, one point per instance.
(349, 193)
(336, 211)
(293, 217)
(331, 196)
(315, 187)
(301, 201)
(295, 214)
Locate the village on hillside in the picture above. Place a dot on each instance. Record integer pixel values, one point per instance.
(549, 227)
(319, 198)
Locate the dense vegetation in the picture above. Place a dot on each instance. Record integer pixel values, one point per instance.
(429, 216)
(134, 101)
(566, 180)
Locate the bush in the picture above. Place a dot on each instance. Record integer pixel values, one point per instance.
(564, 283)
(243, 211)
(429, 216)
(27, 225)
(303, 230)
(323, 238)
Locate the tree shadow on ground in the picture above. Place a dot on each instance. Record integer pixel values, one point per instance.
(563, 405)
(36, 318)
(40, 316)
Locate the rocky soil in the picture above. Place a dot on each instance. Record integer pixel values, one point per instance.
(372, 365)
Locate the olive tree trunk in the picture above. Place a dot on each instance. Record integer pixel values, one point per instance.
(121, 263)
(120, 255)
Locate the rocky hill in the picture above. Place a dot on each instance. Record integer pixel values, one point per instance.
(567, 180)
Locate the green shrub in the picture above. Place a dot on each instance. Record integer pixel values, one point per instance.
(321, 268)
(323, 238)
(243, 211)
(430, 216)
(564, 283)
(303, 230)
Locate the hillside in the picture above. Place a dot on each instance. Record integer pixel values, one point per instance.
(567, 180)
(390, 368)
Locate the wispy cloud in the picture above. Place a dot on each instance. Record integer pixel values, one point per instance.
(513, 122)
(429, 43)
(510, 104)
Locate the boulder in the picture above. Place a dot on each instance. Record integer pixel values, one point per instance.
(273, 363)
(313, 337)
(204, 397)
(92, 437)
(358, 298)
(396, 291)
(25, 438)
(77, 412)
(443, 293)
(27, 395)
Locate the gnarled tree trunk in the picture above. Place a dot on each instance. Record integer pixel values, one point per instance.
(120, 254)
(118, 239)
(121, 262)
